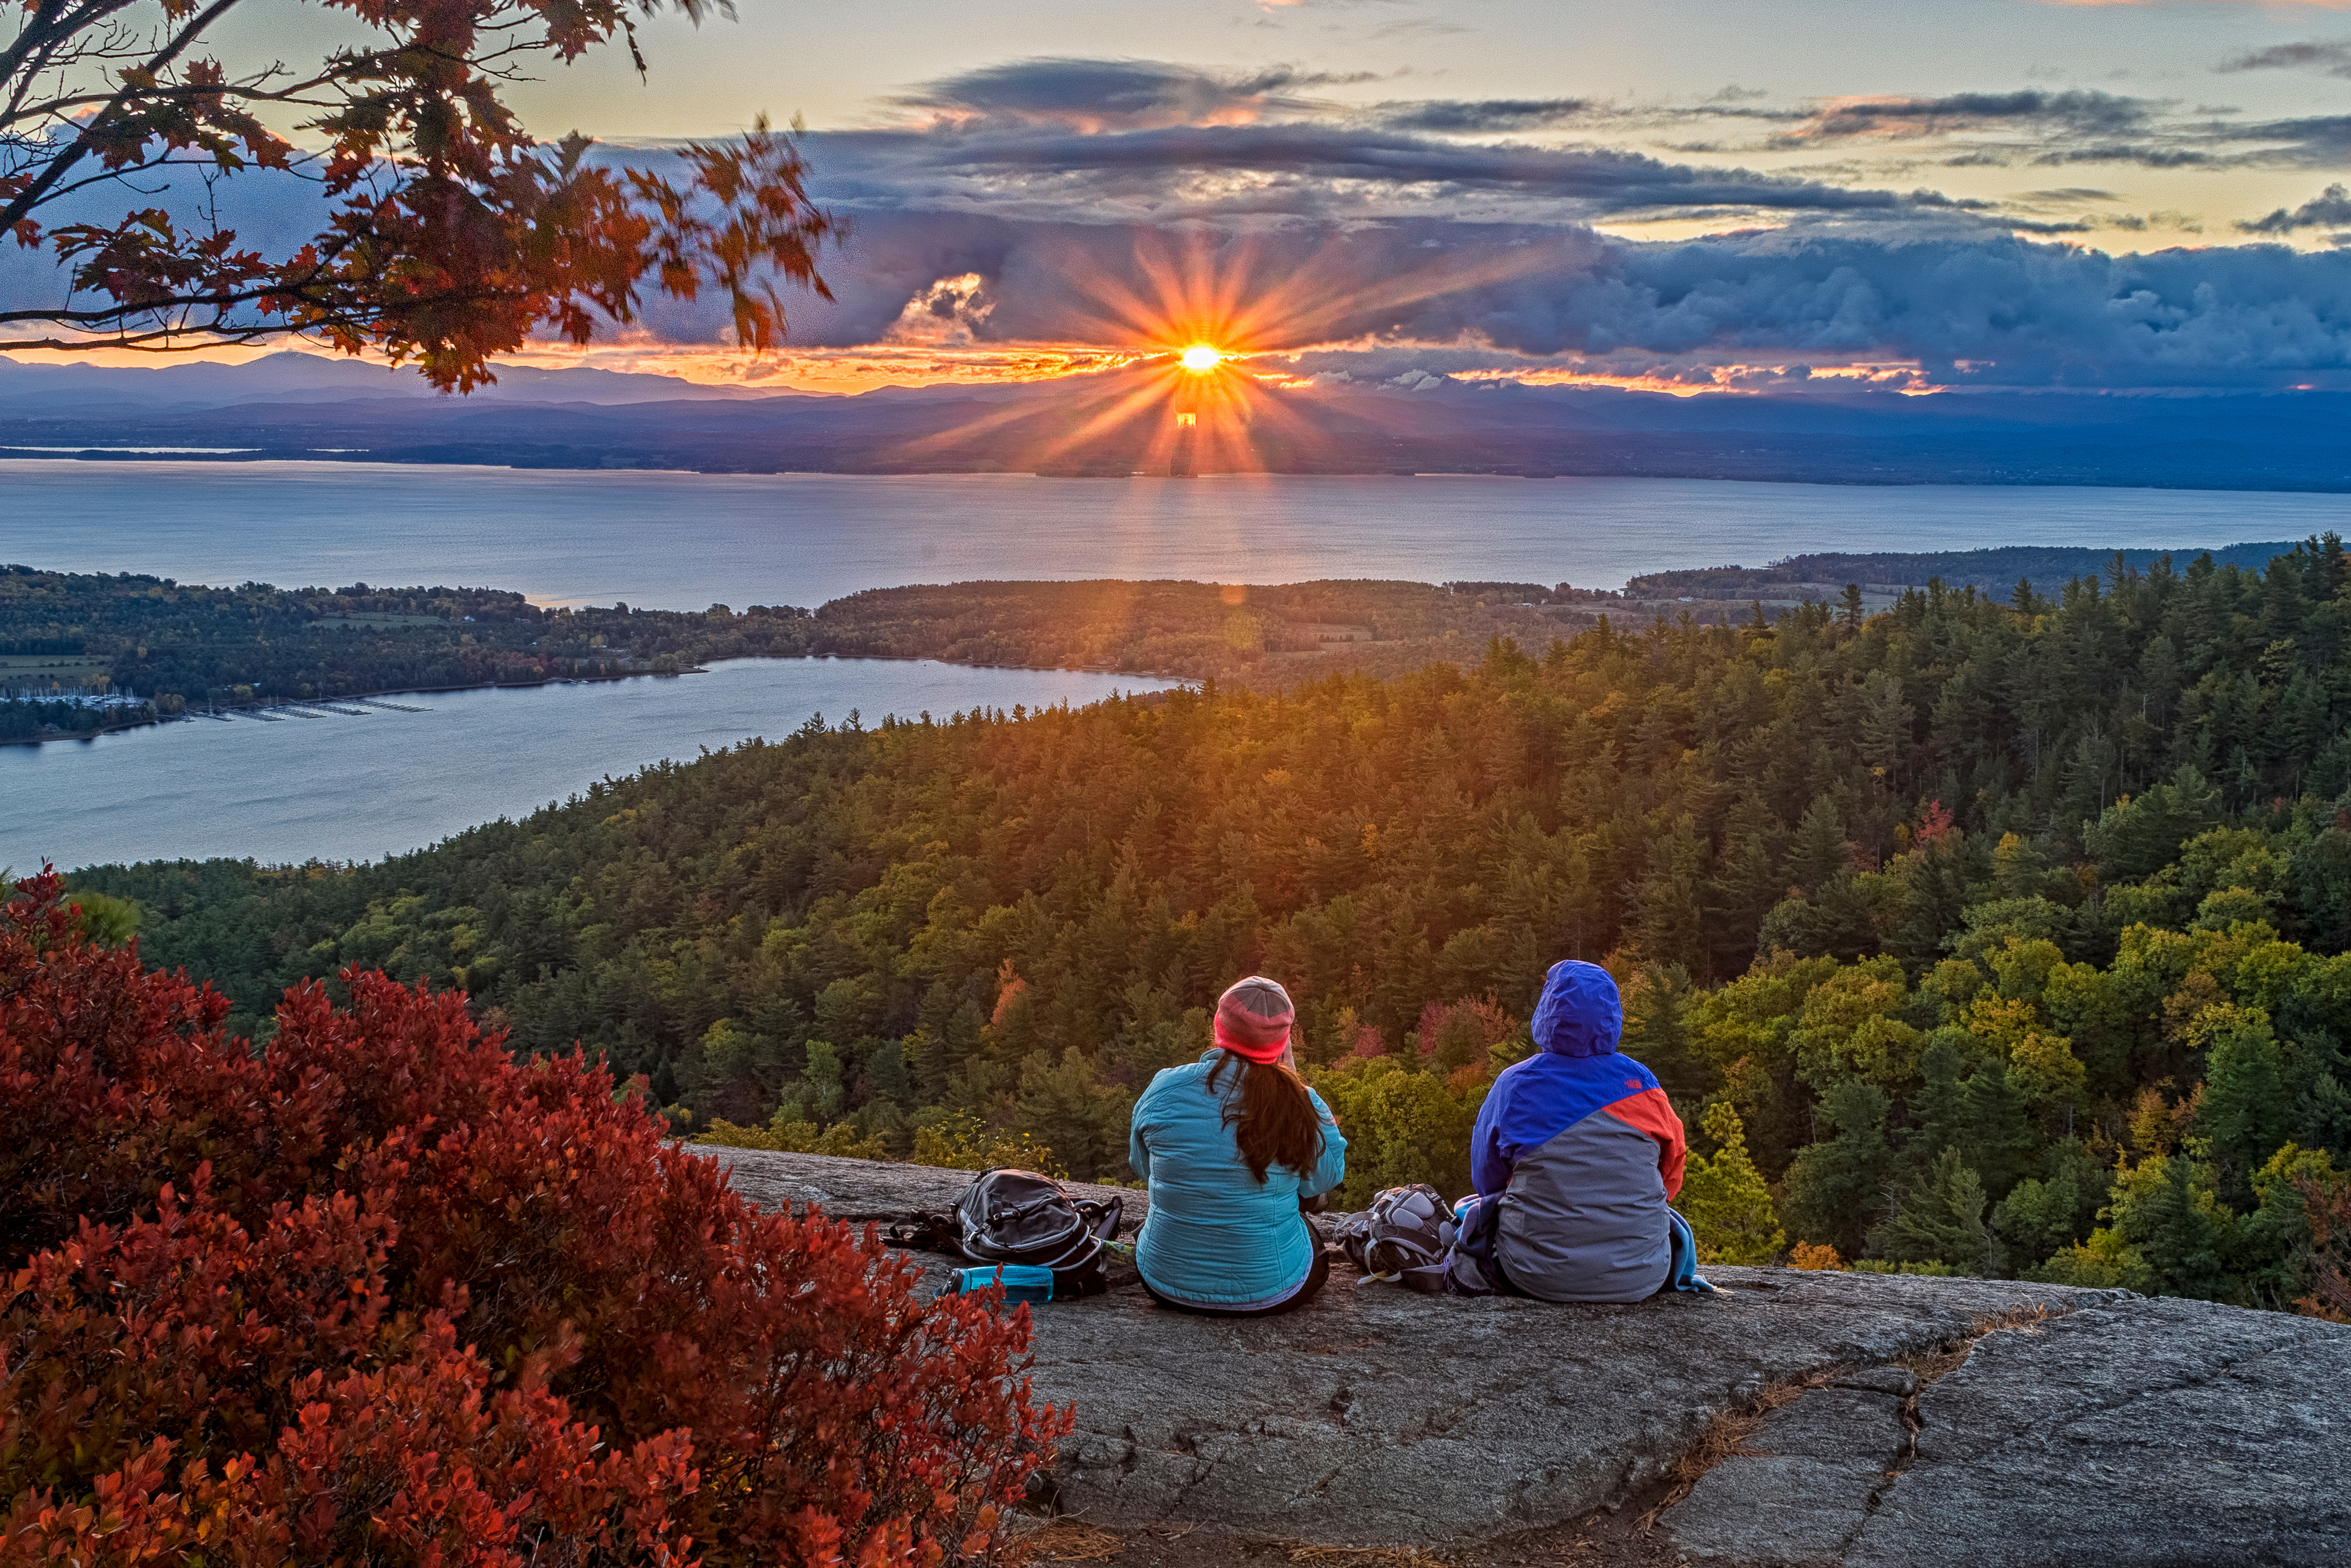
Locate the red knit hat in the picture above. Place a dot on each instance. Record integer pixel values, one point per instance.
(1253, 1020)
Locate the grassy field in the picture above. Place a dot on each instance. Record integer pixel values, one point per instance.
(67, 670)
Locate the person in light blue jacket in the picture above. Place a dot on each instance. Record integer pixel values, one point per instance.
(1232, 1145)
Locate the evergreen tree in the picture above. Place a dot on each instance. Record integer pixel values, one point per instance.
(885, 1074)
(1820, 853)
(1995, 1131)
(1886, 722)
(1656, 1033)
(2167, 1212)
(1939, 1107)
(826, 1091)
(1748, 882)
(2017, 867)
(965, 1034)
(1940, 1218)
(1069, 1109)
(1662, 911)
(1837, 1186)
(2245, 1110)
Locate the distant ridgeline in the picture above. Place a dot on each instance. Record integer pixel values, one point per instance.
(1997, 570)
(1122, 421)
(1989, 934)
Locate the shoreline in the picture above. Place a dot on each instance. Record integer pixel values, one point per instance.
(154, 723)
(160, 720)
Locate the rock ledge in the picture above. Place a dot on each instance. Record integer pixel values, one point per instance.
(2112, 1429)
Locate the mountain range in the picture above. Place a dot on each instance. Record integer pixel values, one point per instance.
(296, 405)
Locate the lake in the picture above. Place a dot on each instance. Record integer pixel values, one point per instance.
(684, 542)
(348, 789)
(345, 787)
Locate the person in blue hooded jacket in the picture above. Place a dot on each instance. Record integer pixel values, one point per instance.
(1581, 1151)
(1229, 1144)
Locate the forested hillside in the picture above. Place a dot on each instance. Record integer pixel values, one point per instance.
(1980, 935)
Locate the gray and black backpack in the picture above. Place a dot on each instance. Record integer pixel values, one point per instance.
(1023, 1218)
(1406, 1236)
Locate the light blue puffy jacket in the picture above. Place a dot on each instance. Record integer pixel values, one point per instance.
(1215, 1235)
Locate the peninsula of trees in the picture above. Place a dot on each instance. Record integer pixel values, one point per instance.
(1997, 936)
(184, 643)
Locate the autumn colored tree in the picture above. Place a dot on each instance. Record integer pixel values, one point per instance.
(379, 1292)
(1726, 1198)
(446, 233)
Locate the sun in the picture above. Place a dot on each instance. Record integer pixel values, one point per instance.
(1201, 357)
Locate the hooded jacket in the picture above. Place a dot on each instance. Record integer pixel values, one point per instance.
(1583, 1151)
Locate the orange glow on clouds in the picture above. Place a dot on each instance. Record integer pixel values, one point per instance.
(1211, 324)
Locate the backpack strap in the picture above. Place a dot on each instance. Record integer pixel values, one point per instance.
(1102, 1219)
(925, 1231)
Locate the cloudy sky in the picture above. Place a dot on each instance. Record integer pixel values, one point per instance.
(1692, 193)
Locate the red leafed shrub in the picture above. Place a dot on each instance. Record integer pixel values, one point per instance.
(378, 1293)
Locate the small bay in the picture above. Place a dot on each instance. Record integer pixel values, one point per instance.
(355, 788)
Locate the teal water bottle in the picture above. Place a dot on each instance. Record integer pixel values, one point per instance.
(1021, 1282)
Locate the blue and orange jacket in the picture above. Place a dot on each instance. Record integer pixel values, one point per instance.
(1582, 1151)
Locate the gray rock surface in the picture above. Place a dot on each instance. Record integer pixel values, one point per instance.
(873, 1189)
(2144, 1432)
(2149, 1431)
(2120, 1431)
(1805, 1488)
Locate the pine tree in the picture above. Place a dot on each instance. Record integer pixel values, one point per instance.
(1996, 1133)
(1834, 1188)
(966, 1034)
(1940, 1218)
(1940, 1106)
(2038, 1217)
(1886, 725)
(1658, 1033)
(2244, 1111)
(1663, 917)
(1747, 882)
(1068, 1108)
(2166, 1210)
(825, 1091)
(1820, 853)
(2017, 867)
(885, 1073)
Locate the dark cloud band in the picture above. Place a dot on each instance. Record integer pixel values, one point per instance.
(1110, 205)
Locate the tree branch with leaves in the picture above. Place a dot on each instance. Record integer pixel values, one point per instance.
(447, 234)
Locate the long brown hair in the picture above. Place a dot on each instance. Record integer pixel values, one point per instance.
(1273, 1117)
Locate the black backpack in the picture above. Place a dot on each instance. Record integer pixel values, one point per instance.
(1019, 1217)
